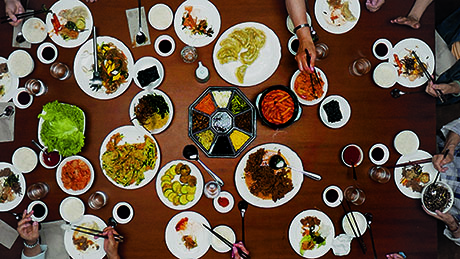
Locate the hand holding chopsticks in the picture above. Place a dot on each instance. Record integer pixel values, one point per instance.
(228, 243)
(425, 72)
(96, 233)
(19, 15)
(354, 226)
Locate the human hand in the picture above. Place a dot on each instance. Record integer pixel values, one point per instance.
(27, 229)
(306, 44)
(374, 5)
(450, 88)
(440, 160)
(447, 218)
(110, 244)
(235, 253)
(13, 7)
(395, 256)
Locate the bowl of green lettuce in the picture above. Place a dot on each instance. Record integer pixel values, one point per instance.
(61, 127)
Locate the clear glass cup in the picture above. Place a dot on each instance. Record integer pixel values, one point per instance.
(322, 50)
(354, 195)
(38, 191)
(97, 200)
(211, 189)
(360, 66)
(36, 87)
(189, 54)
(379, 174)
(60, 71)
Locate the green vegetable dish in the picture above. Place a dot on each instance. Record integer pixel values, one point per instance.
(62, 128)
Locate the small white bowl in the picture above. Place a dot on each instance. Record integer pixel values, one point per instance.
(449, 205)
(386, 154)
(40, 50)
(20, 63)
(406, 142)
(361, 155)
(72, 209)
(339, 199)
(41, 157)
(35, 218)
(385, 75)
(160, 17)
(385, 42)
(159, 40)
(34, 30)
(22, 93)
(360, 220)
(25, 159)
(118, 218)
(224, 195)
(228, 233)
(289, 45)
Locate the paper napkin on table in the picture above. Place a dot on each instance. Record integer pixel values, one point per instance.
(133, 26)
(7, 124)
(52, 234)
(341, 245)
(8, 234)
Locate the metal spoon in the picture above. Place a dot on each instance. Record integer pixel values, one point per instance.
(42, 148)
(191, 153)
(9, 110)
(396, 93)
(140, 36)
(242, 206)
(369, 221)
(277, 162)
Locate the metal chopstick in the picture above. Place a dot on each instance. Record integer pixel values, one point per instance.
(228, 243)
(420, 63)
(77, 228)
(357, 234)
(421, 161)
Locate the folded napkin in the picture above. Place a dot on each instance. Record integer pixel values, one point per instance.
(341, 245)
(8, 235)
(133, 25)
(16, 30)
(7, 124)
(52, 234)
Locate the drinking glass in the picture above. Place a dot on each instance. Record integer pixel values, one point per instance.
(38, 191)
(354, 195)
(97, 200)
(189, 54)
(211, 189)
(60, 71)
(379, 174)
(322, 50)
(360, 66)
(36, 87)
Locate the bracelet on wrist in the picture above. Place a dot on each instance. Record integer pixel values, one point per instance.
(298, 27)
(33, 245)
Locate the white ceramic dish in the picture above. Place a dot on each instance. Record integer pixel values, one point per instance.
(91, 252)
(339, 199)
(157, 45)
(40, 52)
(360, 220)
(385, 75)
(147, 62)
(323, 14)
(25, 159)
(35, 218)
(20, 63)
(59, 175)
(10, 83)
(449, 204)
(228, 233)
(344, 107)
(7, 206)
(34, 30)
(303, 101)
(406, 142)
(389, 46)
(118, 218)
(224, 195)
(386, 154)
(72, 209)
(160, 16)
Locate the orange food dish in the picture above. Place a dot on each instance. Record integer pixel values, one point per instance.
(75, 175)
(277, 107)
(307, 87)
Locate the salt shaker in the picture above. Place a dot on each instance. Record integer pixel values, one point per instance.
(202, 73)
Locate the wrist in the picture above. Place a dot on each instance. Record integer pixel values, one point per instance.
(31, 244)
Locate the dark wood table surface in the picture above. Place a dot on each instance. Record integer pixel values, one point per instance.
(399, 223)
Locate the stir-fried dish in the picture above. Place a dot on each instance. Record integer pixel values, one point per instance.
(311, 236)
(112, 66)
(414, 178)
(126, 164)
(194, 25)
(408, 66)
(71, 22)
(152, 111)
(436, 197)
(9, 185)
(308, 86)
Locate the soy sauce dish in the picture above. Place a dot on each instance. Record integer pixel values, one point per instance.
(437, 196)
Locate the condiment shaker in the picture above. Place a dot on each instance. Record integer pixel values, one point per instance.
(202, 73)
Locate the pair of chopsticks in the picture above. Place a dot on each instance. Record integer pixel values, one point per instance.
(420, 161)
(96, 233)
(6, 18)
(441, 97)
(354, 226)
(228, 243)
(314, 70)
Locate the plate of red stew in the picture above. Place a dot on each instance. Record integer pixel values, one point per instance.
(309, 88)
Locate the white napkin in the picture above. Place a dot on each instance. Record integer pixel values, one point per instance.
(52, 235)
(133, 26)
(8, 235)
(7, 124)
(341, 244)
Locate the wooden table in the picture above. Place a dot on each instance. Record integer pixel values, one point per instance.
(399, 223)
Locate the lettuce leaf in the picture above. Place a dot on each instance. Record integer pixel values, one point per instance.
(62, 128)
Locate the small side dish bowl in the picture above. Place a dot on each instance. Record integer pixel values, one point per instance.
(25, 159)
(385, 75)
(226, 232)
(437, 196)
(72, 209)
(360, 220)
(224, 202)
(160, 16)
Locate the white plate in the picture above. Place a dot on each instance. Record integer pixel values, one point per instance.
(202, 236)
(89, 254)
(325, 87)
(59, 175)
(135, 101)
(227, 208)
(82, 36)
(422, 50)
(131, 135)
(406, 142)
(20, 63)
(12, 204)
(345, 109)
(202, 9)
(323, 14)
(292, 159)
(326, 229)
(147, 62)
(10, 82)
(199, 185)
(262, 68)
(83, 71)
(357, 217)
(426, 167)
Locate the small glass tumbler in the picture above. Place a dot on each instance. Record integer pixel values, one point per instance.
(97, 200)
(36, 87)
(211, 189)
(60, 71)
(189, 54)
(38, 191)
(360, 67)
(354, 195)
(379, 174)
(322, 51)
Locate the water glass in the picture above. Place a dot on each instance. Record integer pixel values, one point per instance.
(354, 195)
(322, 51)
(211, 189)
(38, 191)
(379, 174)
(36, 87)
(97, 200)
(189, 54)
(360, 67)
(60, 71)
